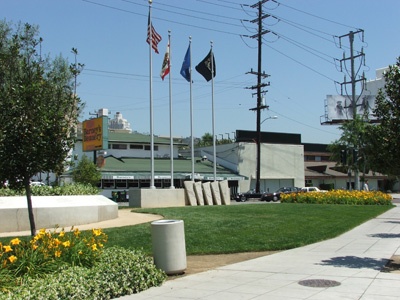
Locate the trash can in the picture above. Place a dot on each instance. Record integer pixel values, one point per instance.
(169, 249)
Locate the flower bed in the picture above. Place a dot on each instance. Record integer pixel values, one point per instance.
(339, 197)
(64, 265)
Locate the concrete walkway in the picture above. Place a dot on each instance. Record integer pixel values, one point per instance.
(346, 267)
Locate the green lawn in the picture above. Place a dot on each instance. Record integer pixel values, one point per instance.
(249, 227)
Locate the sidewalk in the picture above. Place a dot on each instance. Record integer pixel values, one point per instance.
(346, 267)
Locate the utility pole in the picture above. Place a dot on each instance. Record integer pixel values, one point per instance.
(260, 75)
(353, 81)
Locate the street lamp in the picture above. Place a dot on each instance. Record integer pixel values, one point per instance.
(273, 117)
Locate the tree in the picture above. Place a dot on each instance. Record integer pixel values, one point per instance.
(353, 141)
(39, 109)
(383, 138)
(86, 172)
(206, 140)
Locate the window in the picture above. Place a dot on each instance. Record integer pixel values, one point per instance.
(108, 183)
(119, 146)
(309, 182)
(147, 148)
(138, 147)
(120, 183)
(133, 183)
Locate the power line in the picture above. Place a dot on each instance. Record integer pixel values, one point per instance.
(307, 48)
(300, 63)
(162, 19)
(191, 16)
(310, 31)
(301, 123)
(315, 16)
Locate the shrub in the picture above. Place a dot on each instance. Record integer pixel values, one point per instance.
(47, 252)
(118, 272)
(339, 197)
(69, 189)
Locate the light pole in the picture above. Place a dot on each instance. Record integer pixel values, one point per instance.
(273, 117)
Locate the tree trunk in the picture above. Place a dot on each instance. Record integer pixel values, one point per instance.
(30, 209)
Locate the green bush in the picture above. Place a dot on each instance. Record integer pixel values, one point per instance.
(64, 265)
(339, 197)
(68, 189)
(46, 252)
(118, 272)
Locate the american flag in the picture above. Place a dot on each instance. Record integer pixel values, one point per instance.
(155, 37)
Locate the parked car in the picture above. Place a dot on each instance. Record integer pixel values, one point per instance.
(37, 183)
(275, 196)
(241, 197)
(311, 189)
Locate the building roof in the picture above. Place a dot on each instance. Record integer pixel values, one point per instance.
(135, 138)
(140, 168)
(122, 137)
(320, 170)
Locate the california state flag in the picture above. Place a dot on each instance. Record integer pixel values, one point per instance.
(166, 64)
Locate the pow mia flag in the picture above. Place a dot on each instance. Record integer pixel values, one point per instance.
(205, 68)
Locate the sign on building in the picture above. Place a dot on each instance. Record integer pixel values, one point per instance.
(95, 134)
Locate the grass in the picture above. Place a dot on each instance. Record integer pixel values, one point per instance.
(250, 227)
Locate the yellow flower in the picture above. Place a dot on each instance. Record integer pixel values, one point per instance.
(57, 253)
(12, 258)
(96, 232)
(34, 246)
(80, 252)
(94, 247)
(62, 233)
(15, 241)
(66, 244)
(77, 232)
(56, 242)
(7, 248)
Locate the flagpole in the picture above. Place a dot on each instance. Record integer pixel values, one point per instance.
(213, 114)
(191, 106)
(170, 113)
(152, 186)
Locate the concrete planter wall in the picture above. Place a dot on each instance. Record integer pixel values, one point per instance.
(52, 211)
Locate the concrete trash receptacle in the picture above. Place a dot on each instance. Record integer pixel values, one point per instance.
(169, 249)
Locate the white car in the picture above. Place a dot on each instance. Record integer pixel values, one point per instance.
(311, 189)
(37, 183)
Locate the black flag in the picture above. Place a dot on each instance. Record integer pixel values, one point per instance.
(204, 67)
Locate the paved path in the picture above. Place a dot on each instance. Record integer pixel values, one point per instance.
(346, 267)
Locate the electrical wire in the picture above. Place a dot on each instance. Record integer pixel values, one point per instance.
(307, 49)
(162, 19)
(315, 16)
(301, 123)
(300, 63)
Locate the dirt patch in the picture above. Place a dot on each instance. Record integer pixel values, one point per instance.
(393, 265)
(202, 263)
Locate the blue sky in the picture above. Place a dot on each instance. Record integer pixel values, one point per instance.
(300, 53)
